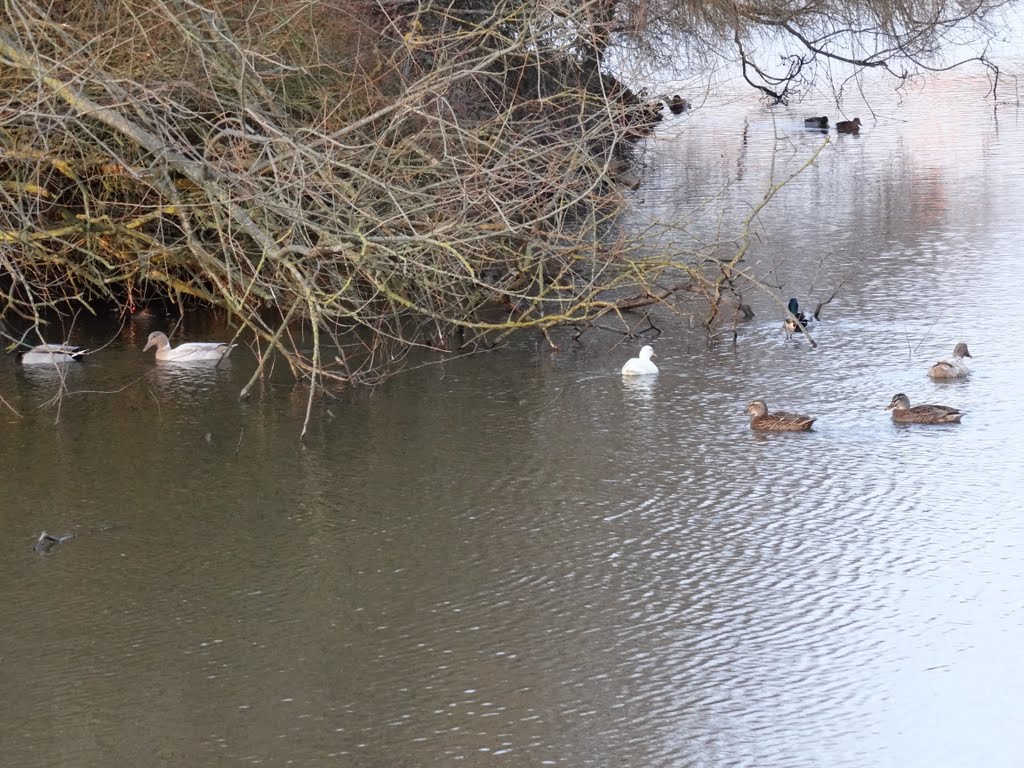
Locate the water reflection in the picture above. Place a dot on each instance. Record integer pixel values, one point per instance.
(177, 379)
(640, 389)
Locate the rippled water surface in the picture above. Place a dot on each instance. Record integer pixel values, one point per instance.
(521, 559)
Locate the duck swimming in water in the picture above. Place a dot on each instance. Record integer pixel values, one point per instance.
(796, 319)
(48, 354)
(954, 367)
(677, 105)
(780, 421)
(190, 352)
(46, 542)
(641, 366)
(903, 413)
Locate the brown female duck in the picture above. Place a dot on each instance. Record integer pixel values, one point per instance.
(849, 126)
(780, 421)
(921, 414)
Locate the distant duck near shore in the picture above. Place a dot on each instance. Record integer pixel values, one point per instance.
(816, 122)
(849, 126)
(677, 105)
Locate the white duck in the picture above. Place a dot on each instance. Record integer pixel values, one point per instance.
(49, 354)
(640, 366)
(190, 352)
(952, 368)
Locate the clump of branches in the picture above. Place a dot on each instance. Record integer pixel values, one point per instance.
(382, 174)
(379, 176)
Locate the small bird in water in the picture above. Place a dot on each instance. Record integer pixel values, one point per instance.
(641, 366)
(921, 414)
(849, 126)
(46, 542)
(954, 367)
(780, 421)
(816, 122)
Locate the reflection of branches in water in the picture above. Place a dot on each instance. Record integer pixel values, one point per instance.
(9, 407)
(783, 49)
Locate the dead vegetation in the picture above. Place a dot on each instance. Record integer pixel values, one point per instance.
(441, 183)
(381, 175)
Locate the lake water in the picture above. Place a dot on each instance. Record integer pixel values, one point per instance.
(519, 558)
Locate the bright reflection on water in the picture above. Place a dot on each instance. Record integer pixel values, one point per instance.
(521, 558)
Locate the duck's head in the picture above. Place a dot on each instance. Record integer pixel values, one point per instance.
(899, 402)
(794, 307)
(758, 408)
(157, 339)
(646, 352)
(960, 350)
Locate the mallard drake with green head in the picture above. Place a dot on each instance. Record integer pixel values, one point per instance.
(780, 421)
(801, 316)
(954, 367)
(796, 319)
(921, 414)
(816, 122)
(849, 126)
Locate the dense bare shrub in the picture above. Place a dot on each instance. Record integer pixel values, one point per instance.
(391, 174)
